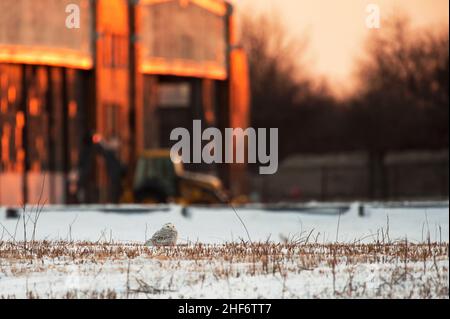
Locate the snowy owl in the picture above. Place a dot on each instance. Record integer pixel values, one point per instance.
(166, 236)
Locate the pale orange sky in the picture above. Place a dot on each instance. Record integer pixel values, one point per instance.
(336, 28)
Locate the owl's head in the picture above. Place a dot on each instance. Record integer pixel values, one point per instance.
(169, 226)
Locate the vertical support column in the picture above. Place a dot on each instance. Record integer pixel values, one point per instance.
(239, 103)
(223, 110)
(50, 137)
(223, 99)
(24, 109)
(136, 115)
(65, 130)
(113, 86)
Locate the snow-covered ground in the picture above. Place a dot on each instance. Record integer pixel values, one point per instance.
(85, 270)
(211, 225)
(87, 253)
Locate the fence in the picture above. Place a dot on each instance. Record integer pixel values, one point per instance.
(403, 175)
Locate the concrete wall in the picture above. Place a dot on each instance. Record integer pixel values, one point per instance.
(406, 175)
(48, 191)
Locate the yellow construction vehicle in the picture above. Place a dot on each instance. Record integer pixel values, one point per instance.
(158, 179)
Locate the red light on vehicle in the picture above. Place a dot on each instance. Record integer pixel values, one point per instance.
(96, 138)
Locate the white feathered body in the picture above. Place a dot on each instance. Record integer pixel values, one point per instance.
(166, 236)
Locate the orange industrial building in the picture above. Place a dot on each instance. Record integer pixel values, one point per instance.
(131, 72)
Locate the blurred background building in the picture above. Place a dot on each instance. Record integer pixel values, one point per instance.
(131, 72)
(135, 70)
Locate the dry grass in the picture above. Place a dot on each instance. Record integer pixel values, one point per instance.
(421, 268)
(239, 252)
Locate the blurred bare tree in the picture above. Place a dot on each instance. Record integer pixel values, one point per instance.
(404, 88)
(402, 101)
(284, 94)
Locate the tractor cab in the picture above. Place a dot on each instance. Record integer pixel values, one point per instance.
(159, 179)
